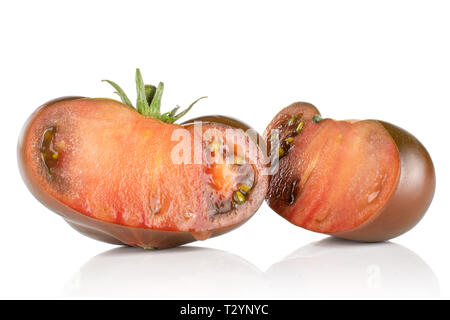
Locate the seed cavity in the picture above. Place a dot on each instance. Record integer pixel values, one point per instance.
(292, 121)
(245, 188)
(49, 154)
(230, 176)
(239, 197)
(289, 130)
(300, 127)
(289, 140)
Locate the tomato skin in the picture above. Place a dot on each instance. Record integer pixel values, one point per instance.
(109, 231)
(407, 193)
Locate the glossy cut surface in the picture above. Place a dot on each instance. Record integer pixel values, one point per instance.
(361, 180)
(109, 172)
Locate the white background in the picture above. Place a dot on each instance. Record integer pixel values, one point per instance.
(386, 60)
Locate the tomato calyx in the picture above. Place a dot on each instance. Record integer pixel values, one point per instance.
(148, 102)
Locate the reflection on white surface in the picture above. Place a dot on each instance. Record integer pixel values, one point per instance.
(329, 268)
(184, 272)
(333, 268)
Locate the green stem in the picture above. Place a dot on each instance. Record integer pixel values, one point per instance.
(149, 92)
(141, 103)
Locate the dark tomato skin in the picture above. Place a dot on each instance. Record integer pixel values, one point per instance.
(406, 195)
(120, 233)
